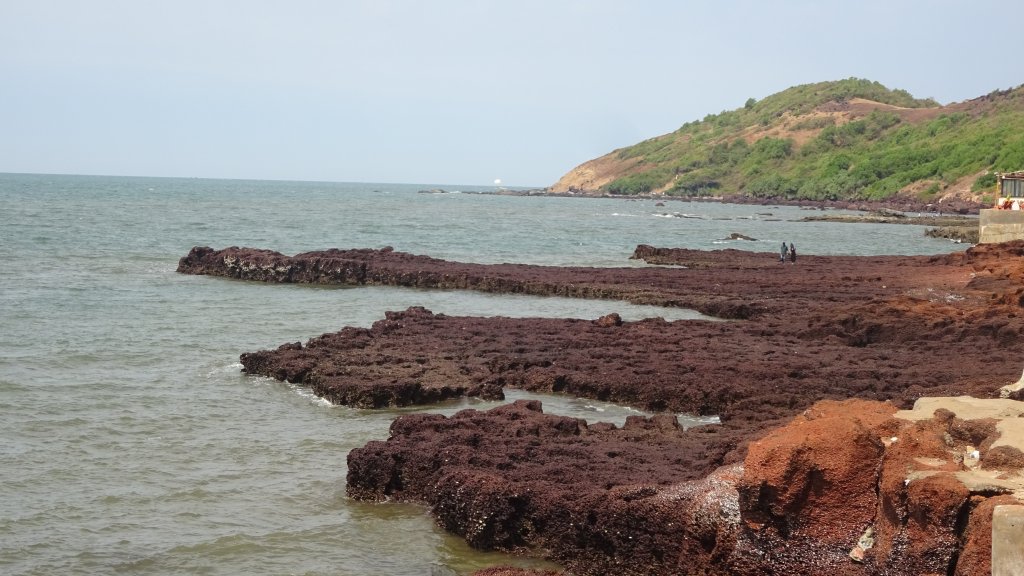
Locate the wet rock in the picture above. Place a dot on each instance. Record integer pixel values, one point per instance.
(512, 571)
(609, 320)
(738, 236)
(969, 233)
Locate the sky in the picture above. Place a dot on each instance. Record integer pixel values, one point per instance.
(442, 91)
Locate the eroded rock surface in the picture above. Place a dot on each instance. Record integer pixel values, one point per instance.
(386, 267)
(878, 328)
(890, 492)
(599, 499)
(846, 487)
(831, 492)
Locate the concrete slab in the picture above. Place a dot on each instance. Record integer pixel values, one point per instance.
(1008, 541)
(965, 407)
(1011, 432)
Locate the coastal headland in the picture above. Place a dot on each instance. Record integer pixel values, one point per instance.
(820, 463)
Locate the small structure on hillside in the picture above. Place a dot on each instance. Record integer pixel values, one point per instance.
(1005, 222)
(1012, 184)
(1010, 191)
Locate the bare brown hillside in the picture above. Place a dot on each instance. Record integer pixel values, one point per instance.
(593, 174)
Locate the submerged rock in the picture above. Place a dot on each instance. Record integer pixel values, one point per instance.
(738, 236)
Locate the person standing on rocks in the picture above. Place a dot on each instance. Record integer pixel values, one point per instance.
(782, 253)
(792, 253)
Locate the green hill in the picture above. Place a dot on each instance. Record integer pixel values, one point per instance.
(851, 139)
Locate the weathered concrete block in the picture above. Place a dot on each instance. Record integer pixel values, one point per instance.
(1000, 226)
(1008, 541)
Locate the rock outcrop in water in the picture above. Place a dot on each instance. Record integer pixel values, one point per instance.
(514, 478)
(851, 487)
(823, 494)
(386, 267)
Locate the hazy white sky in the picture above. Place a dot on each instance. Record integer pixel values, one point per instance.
(442, 91)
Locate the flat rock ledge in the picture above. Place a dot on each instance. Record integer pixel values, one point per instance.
(385, 267)
(726, 284)
(876, 328)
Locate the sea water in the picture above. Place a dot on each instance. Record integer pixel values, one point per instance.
(130, 440)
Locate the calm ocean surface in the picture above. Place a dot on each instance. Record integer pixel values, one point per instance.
(130, 442)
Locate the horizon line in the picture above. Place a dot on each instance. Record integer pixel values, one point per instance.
(311, 181)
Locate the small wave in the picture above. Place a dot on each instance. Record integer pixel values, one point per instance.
(308, 394)
(689, 420)
(232, 368)
(191, 494)
(161, 269)
(302, 391)
(680, 215)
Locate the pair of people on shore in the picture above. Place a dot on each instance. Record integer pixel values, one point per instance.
(790, 251)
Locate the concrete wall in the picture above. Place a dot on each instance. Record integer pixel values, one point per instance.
(1000, 226)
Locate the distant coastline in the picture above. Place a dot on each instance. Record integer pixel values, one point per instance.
(948, 207)
(953, 220)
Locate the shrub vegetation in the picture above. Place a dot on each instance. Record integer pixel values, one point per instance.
(875, 154)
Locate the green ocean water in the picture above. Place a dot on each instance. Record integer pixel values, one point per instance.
(130, 442)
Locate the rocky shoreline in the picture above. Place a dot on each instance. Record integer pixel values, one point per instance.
(948, 206)
(797, 479)
(954, 219)
(958, 228)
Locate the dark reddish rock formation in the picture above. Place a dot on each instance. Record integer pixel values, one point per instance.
(829, 327)
(844, 488)
(729, 284)
(511, 571)
(599, 499)
(885, 328)
(656, 286)
(879, 328)
(347, 367)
